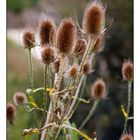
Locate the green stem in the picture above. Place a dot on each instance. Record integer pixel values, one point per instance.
(128, 104)
(31, 69)
(90, 113)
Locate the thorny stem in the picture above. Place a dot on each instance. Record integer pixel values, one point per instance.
(128, 104)
(79, 77)
(90, 113)
(31, 69)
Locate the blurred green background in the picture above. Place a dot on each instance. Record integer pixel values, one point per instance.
(108, 119)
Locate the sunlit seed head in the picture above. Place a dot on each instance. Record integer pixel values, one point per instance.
(47, 54)
(11, 112)
(98, 89)
(127, 70)
(93, 19)
(47, 31)
(73, 71)
(66, 36)
(28, 40)
(80, 47)
(19, 98)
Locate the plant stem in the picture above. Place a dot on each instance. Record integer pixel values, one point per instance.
(80, 94)
(54, 98)
(90, 113)
(31, 69)
(128, 104)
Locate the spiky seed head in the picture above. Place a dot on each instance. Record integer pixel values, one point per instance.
(73, 71)
(66, 36)
(99, 89)
(11, 112)
(98, 44)
(19, 98)
(80, 47)
(46, 31)
(93, 19)
(47, 54)
(56, 65)
(127, 70)
(87, 68)
(126, 137)
(28, 40)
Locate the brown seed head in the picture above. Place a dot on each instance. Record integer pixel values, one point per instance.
(99, 89)
(66, 36)
(28, 40)
(11, 112)
(19, 98)
(97, 46)
(127, 70)
(93, 20)
(87, 68)
(73, 71)
(46, 32)
(80, 47)
(47, 54)
(126, 137)
(56, 66)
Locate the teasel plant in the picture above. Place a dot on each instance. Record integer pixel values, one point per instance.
(67, 53)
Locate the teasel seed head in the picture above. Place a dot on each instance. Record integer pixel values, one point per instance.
(47, 31)
(127, 70)
(28, 40)
(11, 112)
(99, 89)
(73, 71)
(80, 47)
(66, 36)
(47, 54)
(87, 68)
(19, 98)
(98, 44)
(94, 18)
(126, 137)
(56, 65)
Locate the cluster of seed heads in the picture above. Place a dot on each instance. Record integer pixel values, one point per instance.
(65, 43)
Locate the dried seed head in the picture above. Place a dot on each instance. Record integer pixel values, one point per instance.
(99, 89)
(28, 40)
(66, 36)
(126, 137)
(80, 47)
(73, 71)
(87, 68)
(46, 32)
(11, 112)
(19, 98)
(56, 66)
(47, 54)
(127, 70)
(93, 20)
(98, 44)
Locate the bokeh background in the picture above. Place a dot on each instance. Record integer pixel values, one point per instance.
(108, 119)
